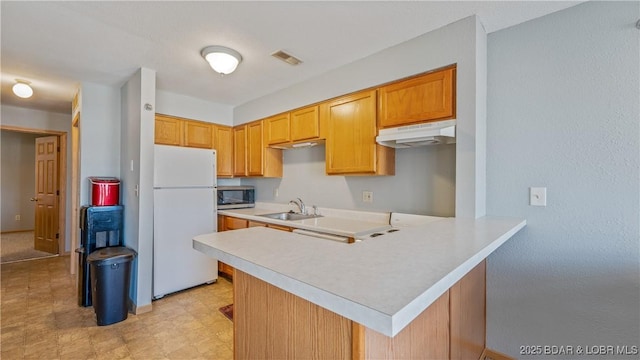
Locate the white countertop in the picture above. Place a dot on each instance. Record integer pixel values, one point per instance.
(382, 283)
(338, 222)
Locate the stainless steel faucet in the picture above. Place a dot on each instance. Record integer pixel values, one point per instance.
(300, 204)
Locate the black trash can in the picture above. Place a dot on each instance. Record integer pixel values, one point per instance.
(110, 278)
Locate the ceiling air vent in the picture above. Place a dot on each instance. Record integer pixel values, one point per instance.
(289, 59)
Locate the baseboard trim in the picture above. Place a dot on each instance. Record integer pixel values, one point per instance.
(15, 231)
(137, 310)
(489, 354)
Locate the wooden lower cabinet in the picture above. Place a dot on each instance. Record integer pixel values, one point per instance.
(270, 323)
(226, 223)
(224, 269)
(231, 223)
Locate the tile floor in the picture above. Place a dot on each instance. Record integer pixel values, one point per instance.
(40, 319)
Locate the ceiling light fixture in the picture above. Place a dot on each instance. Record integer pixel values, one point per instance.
(222, 59)
(22, 89)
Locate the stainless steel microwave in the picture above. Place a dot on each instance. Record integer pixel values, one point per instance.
(236, 197)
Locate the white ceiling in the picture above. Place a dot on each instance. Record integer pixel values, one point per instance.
(56, 45)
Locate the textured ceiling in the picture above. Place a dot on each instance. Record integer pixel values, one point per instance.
(56, 45)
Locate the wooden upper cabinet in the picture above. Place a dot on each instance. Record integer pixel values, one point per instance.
(277, 129)
(419, 99)
(251, 155)
(351, 145)
(255, 149)
(305, 123)
(240, 150)
(223, 143)
(169, 130)
(198, 134)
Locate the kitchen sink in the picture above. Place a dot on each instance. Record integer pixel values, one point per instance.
(289, 216)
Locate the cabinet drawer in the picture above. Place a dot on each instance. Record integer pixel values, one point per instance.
(231, 223)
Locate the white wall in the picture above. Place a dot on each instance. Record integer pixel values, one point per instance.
(462, 42)
(35, 119)
(99, 135)
(137, 173)
(130, 175)
(563, 112)
(424, 184)
(191, 108)
(44, 120)
(17, 185)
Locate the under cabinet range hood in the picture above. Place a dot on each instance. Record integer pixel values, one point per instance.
(432, 133)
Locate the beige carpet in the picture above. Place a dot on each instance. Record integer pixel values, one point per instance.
(18, 246)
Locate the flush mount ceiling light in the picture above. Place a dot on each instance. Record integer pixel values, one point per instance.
(22, 89)
(222, 59)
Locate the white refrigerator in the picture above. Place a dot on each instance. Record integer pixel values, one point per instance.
(184, 196)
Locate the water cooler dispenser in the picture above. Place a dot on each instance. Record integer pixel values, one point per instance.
(100, 226)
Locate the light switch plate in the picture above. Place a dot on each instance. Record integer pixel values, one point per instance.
(538, 196)
(367, 196)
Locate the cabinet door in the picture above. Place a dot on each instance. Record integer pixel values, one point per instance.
(351, 144)
(168, 130)
(277, 129)
(305, 124)
(420, 99)
(223, 143)
(225, 269)
(255, 149)
(240, 150)
(198, 134)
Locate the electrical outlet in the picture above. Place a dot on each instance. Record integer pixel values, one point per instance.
(538, 196)
(276, 192)
(367, 196)
(17, 217)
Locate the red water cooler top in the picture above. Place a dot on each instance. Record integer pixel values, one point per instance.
(105, 191)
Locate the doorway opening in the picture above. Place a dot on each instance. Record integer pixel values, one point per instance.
(33, 208)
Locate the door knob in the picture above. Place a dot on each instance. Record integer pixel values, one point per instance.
(34, 199)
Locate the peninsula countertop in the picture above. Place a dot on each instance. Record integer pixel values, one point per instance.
(382, 283)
